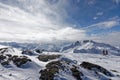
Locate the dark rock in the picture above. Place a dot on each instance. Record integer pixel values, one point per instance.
(46, 58)
(3, 50)
(9, 55)
(2, 57)
(38, 51)
(76, 73)
(28, 52)
(5, 63)
(96, 68)
(18, 61)
(51, 69)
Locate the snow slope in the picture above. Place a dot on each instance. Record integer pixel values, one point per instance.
(30, 70)
(89, 46)
(110, 62)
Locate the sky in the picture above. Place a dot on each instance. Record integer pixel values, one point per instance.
(60, 20)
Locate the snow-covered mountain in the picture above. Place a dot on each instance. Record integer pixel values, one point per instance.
(50, 47)
(89, 46)
(85, 46)
(16, 64)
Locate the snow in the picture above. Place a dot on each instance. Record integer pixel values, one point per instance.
(30, 71)
(90, 47)
(110, 62)
(28, 22)
(2, 46)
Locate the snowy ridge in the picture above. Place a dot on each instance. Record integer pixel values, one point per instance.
(89, 46)
(85, 46)
(34, 68)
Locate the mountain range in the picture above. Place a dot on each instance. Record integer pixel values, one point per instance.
(84, 46)
(36, 64)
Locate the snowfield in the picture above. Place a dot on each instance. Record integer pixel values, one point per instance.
(110, 62)
(30, 70)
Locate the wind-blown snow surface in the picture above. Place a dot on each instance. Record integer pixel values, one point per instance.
(30, 71)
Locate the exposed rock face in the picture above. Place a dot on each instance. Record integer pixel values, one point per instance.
(46, 58)
(6, 49)
(2, 50)
(18, 61)
(51, 69)
(64, 65)
(2, 57)
(27, 52)
(39, 50)
(69, 67)
(76, 73)
(5, 60)
(96, 68)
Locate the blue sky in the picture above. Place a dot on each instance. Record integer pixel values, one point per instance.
(88, 12)
(84, 13)
(97, 17)
(60, 20)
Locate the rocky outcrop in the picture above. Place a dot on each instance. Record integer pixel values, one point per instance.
(54, 68)
(96, 68)
(6, 50)
(76, 73)
(28, 52)
(20, 60)
(69, 67)
(46, 58)
(17, 60)
(51, 69)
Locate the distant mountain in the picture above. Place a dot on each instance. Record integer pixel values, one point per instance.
(50, 47)
(16, 64)
(89, 46)
(85, 46)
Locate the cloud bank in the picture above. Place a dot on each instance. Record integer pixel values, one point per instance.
(35, 21)
(44, 21)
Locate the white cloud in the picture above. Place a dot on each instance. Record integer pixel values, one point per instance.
(91, 2)
(109, 24)
(103, 25)
(117, 1)
(110, 38)
(36, 21)
(103, 36)
(95, 18)
(99, 13)
(39, 21)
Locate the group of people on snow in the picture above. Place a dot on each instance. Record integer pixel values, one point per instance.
(105, 52)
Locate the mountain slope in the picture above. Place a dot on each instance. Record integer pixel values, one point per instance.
(89, 46)
(57, 66)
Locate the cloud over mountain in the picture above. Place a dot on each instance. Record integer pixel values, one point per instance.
(56, 20)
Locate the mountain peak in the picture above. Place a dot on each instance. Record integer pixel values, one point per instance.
(86, 41)
(77, 43)
(89, 46)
